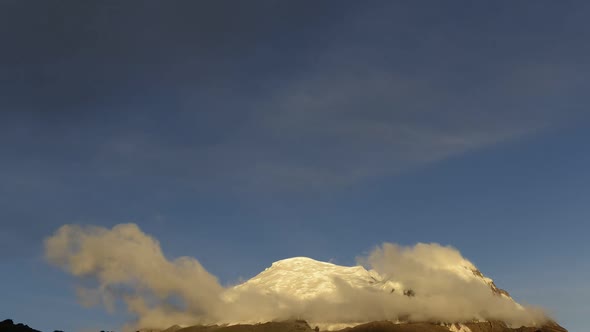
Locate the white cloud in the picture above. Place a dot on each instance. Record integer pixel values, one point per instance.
(127, 265)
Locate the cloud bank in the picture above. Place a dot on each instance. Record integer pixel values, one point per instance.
(125, 265)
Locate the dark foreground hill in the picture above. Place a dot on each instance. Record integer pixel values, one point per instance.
(9, 326)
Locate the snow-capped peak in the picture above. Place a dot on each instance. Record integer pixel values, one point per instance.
(304, 278)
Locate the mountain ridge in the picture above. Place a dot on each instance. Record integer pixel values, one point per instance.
(293, 275)
(302, 326)
(306, 279)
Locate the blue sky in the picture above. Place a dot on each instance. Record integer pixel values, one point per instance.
(243, 133)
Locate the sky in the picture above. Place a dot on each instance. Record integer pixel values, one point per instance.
(241, 133)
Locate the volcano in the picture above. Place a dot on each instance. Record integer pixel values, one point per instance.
(303, 280)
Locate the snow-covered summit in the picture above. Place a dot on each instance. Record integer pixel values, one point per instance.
(304, 278)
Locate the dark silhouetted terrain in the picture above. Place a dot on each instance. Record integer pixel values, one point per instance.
(9, 326)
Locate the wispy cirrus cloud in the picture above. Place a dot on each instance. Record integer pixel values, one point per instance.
(344, 105)
(328, 129)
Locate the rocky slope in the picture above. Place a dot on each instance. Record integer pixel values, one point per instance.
(385, 326)
(302, 326)
(380, 326)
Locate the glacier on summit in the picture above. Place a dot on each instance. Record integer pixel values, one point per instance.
(305, 278)
(333, 296)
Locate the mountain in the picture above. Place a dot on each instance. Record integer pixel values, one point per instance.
(304, 278)
(302, 281)
(386, 326)
(379, 326)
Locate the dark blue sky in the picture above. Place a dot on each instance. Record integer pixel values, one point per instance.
(241, 133)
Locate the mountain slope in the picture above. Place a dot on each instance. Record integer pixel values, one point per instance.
(305, 278)
(334, 297)
(378, 326)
